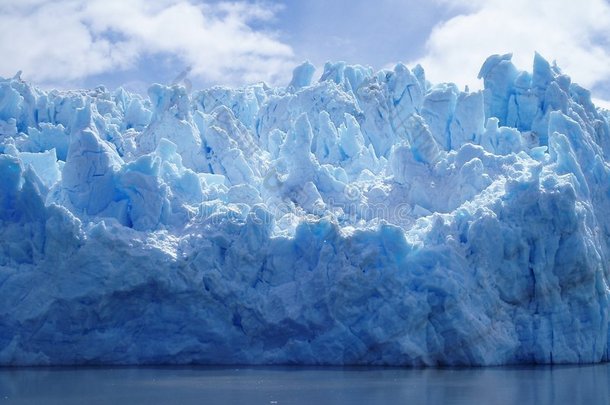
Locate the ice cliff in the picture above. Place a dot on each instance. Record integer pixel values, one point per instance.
(363, 218)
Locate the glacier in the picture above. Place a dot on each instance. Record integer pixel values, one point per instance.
(362, 218)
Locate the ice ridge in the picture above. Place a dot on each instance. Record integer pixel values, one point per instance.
(363, 218)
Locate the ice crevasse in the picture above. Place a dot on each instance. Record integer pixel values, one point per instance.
(363, 218)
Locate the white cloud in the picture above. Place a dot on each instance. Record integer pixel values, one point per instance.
(574, 33)
(601, 103)
(67, 40)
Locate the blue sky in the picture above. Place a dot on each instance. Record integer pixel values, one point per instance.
(78, 43)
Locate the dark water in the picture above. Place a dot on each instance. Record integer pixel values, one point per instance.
(283, 385)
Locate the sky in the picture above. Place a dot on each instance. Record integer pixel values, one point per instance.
(133, 43)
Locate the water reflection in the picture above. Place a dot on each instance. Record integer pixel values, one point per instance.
(289, 385)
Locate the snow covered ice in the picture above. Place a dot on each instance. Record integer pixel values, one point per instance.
(362, 218)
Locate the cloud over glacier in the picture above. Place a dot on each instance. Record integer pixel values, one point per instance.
(575, 33)
(360, 218)
(68, 40)
(134, 43)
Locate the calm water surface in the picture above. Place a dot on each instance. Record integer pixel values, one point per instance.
(296, 385)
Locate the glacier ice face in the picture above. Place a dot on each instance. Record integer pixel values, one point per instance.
(365, 218)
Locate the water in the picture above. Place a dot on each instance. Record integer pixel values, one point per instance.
(297, 385)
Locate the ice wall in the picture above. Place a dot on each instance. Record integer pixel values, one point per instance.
(364, 218)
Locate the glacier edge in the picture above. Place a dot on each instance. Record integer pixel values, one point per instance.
(365, 218)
